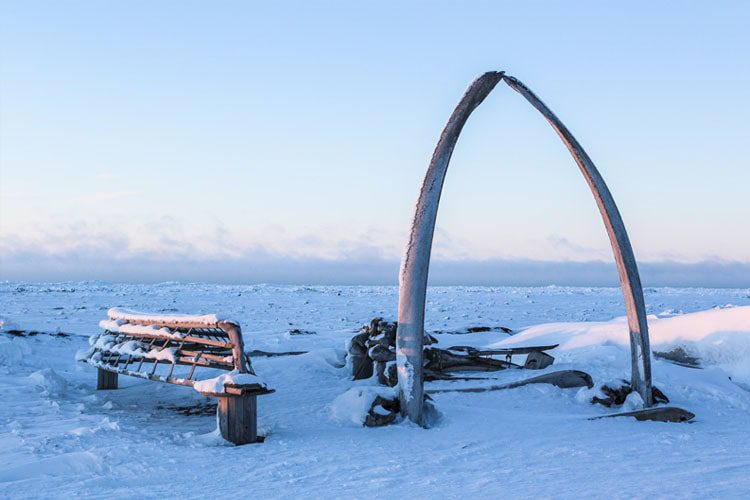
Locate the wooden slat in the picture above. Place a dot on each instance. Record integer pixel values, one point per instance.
(183, 361)
(174, 324)
(188, 338)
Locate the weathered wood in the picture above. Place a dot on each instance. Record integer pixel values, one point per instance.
(416, 261)
(144, 375)
(237, 419)
(238, 347)
(657, 414)
(187, 339)
(565, 379)
(105, 380)
(174, 324)
(179, 360)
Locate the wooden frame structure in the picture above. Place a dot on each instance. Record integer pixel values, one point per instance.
(416, 261)
(182, 350)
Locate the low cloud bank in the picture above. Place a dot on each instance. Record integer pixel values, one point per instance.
(263, 267)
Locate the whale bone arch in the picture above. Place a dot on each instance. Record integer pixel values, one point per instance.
(416, 260)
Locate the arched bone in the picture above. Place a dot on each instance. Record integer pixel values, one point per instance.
(416, 260)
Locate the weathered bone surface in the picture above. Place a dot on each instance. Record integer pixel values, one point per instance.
(657, 414)
(564, 379)
(416, 260)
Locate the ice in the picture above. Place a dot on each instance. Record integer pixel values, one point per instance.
(60, 437)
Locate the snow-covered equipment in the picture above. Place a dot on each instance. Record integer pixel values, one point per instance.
(373, 350)
(415, 263)
(184, 350)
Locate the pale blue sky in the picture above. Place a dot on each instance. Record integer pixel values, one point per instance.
(182, 133)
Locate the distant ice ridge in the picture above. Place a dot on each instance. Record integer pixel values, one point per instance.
(118, 313)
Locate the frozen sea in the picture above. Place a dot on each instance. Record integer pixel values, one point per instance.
(59, 437)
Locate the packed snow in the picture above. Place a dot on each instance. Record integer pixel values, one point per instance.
(127, 315)
(122, 326)
(60, 437)
(216, 385)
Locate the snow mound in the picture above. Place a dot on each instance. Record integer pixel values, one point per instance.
(719, 336)
(68, 464)
(7, 325)
(12, 353)
(326, 360)
(49, 381)
(354, 405)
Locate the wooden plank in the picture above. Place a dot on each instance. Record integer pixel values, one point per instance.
(186, 339)
(147, 376)
(218, 358)
(175, 324)
(182, 361)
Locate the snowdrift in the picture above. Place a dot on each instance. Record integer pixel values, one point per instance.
(717, 337)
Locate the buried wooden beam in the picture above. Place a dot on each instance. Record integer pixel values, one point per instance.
(564, 379)
(416, 261)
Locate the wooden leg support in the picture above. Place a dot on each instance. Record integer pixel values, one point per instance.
(106, 380)
(237, 417)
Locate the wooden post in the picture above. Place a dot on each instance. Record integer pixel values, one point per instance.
(237, 416)
(105, 380)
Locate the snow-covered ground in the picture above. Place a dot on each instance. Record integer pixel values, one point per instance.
(60, 437)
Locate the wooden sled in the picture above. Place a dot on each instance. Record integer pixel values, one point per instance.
(182, 350)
